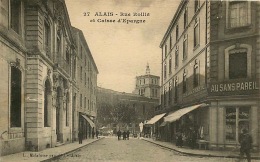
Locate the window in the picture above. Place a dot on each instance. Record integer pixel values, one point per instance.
(165, 50)
(88, 105)
(176, 89)
(196, 74)
(59, 43)
(170, 41)
(143, 109)
(144, 81)
(47, 39)
(170, 65)
(196, 5)
(15, 6)
(165, 96)
(196, 33)
(140, 82)
(237, 119)
(239, 54)
(177, 32)
(185, 18)
(80, 100)
(235, 71)
(176, 56)
(170, 93)
(85, 79)
(239, 14)
(88, 82)
(185, 47)
(74, 67)
(16, 95)
(165, 72)
(184, 82)
(67, 56)
(156, 93)
(81, 73)
(67, 110)
(47, 102)
(81, 52)
(85, 102)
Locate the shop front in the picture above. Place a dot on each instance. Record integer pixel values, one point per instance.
(234, 106)
(229, 118)
(153, 125)
(86, 126)
(190, 124)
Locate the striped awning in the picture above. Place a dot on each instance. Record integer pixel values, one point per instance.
(179, 113)
(91, 123)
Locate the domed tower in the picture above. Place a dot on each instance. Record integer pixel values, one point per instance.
(148, 85)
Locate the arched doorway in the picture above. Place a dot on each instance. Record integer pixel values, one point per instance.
(47, 103)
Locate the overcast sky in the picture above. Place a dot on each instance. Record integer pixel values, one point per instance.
(121, 51)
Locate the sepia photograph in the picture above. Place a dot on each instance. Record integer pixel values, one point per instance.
(129, 80)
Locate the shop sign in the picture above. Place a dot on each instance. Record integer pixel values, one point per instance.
(242, 86)
(194, 90)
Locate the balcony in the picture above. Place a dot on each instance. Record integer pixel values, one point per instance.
(62, 64)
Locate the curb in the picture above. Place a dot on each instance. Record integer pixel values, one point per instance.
(71, 151)
(193, 154)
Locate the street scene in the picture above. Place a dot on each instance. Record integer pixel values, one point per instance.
(109, 149)
(135, 80)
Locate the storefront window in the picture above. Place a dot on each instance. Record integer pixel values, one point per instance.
(237, 118)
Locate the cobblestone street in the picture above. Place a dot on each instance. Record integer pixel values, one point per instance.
(110, 149)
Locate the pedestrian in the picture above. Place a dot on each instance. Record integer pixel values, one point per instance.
(193, 138)
(124, 135)
(93, 134)
(97, 132)
(127, 134)
(179, 140)
(118, 134)
(245, 141)
(80, 136)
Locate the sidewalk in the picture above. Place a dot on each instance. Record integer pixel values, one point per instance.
(197, 152)
(46, 154)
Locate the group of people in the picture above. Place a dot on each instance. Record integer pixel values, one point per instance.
(190, 138)
(80, 135)
(124, 133)
(245, 141)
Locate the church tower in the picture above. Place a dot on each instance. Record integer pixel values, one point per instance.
(148, 85)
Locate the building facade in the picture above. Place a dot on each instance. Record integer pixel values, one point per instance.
(148, 85)
(210, 67)
(143, 108)
(86, 70)
(38, 80)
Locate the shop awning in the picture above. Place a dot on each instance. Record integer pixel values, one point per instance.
(155, 119)
(179, 113)
(89, 121)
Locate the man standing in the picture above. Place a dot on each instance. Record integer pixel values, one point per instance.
(118, 134)
(97, 132)
(245, 141)
(127, 134)
(80, 136)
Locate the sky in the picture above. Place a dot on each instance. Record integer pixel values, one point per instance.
(121, 51)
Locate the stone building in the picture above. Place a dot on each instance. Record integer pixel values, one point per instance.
(210, 72)
(86, 81)
(148, 85)
(144, 108)
(38, 82)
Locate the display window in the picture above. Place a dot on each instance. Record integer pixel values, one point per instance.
(237, 119)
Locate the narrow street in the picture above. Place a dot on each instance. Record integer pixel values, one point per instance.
(110, 149)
